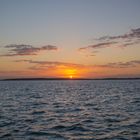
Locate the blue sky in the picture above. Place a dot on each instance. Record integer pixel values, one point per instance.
(56, 21)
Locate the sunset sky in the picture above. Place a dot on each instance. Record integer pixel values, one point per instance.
(69, 38)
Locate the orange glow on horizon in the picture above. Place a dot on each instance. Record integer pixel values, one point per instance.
(69, 72)
(70, 76)
(74, 72)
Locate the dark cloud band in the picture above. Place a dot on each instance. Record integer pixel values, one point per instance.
(23, 49)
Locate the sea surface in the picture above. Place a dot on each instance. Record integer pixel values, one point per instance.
(70, 110)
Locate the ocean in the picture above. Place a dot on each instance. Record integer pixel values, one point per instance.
(70, 110)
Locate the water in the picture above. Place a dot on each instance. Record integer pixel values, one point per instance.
(70, 110)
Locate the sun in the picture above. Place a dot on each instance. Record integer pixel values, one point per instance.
(70, 76)
(70, 72)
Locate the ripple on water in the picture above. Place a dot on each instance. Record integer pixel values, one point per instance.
(70, 110)
(45, 135)
(75, 127)
(38, 112)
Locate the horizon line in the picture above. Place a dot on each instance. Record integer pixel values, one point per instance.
(59, 78)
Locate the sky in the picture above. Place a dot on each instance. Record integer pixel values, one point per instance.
(69, 38)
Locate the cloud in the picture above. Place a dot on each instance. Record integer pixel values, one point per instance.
(52, 63)
(12, 72)
(133, 34)
(56, 64)
(98, 45)
(23, 49)
(124, 40)
(128, 64)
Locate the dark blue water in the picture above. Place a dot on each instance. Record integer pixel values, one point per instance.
(70, 110)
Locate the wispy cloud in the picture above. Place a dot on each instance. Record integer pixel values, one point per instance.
(128, 64)
(23, 49)
(98, 45)
(133, 34)
(54, 64)
(124, 40)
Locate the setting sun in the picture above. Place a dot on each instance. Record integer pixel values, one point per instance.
(70, 76)
(70, 72)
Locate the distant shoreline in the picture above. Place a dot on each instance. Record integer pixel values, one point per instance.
(35, 79)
